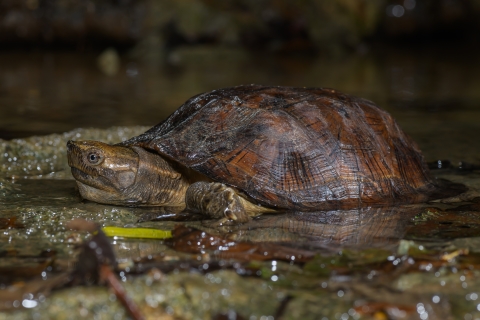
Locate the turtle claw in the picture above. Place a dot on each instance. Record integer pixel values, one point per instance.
(217, 201)
(227, 204)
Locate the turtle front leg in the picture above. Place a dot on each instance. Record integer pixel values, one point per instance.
(216, 200)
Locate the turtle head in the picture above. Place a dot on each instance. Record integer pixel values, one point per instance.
(104, 173)
(121, 175)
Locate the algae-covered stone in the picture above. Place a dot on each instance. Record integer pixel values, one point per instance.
(47, 155)
(177, 295)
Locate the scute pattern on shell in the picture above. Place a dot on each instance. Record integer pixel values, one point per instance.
(294, 148)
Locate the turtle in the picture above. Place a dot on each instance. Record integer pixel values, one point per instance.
(243, 151)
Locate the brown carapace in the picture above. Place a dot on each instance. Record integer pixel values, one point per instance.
(291, 148)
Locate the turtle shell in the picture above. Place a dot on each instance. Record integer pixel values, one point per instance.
(294, 148)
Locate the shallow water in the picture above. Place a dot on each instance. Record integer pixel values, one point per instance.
(406, 262)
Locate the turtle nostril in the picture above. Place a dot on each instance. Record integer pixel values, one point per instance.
(70, 144)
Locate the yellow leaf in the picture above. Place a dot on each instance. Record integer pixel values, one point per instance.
(144, 233)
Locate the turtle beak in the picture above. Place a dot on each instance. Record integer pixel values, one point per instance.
(74, 153)
(70, 147)
(70, 150)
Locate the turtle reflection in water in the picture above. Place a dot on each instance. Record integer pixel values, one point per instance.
(316, 231)
(239, 152)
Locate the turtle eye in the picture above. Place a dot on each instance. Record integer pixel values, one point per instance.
(94, 158)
